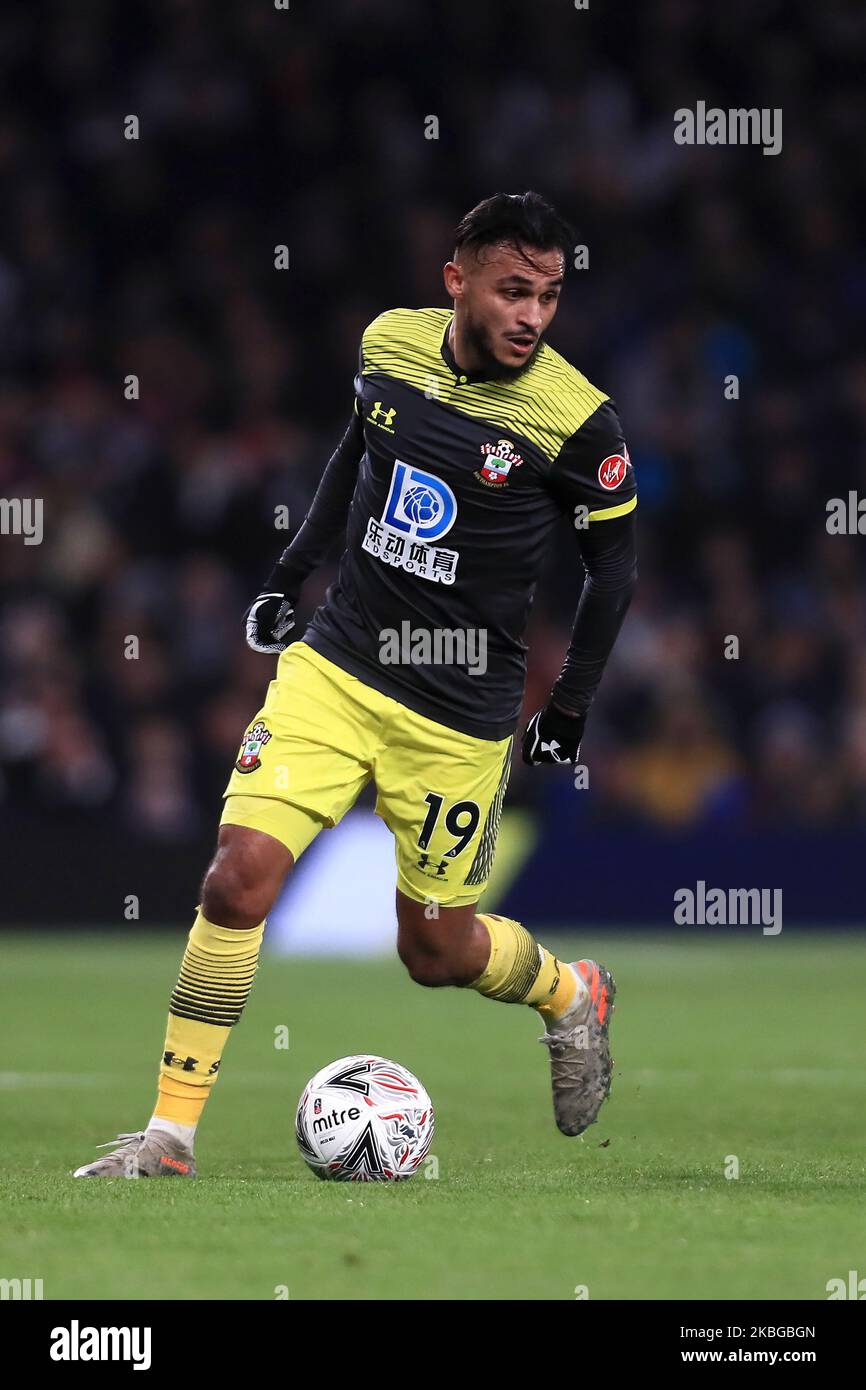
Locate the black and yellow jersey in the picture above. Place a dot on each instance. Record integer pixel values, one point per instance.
(459, 484)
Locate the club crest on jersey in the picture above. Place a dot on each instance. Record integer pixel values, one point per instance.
(254, 741)
(612, 470)
(420, 510)
(499, 459)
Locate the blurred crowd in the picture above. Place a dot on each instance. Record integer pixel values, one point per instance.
(153, 258)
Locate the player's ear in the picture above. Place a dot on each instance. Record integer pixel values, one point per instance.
(453, 277)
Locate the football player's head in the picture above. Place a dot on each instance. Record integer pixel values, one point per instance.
(505, 279)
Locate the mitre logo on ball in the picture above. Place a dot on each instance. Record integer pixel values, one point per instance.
(499, 459)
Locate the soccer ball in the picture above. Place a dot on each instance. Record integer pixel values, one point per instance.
(421, 504)
(364, 1119)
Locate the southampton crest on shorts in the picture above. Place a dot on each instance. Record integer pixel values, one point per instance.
(499, 459)
(254, 741)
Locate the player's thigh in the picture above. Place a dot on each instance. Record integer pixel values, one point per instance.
(305, 757)
(441, 792)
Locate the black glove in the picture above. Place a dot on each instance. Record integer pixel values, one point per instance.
(552, 736)
(272, 615)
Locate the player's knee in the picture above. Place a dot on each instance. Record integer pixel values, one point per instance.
(433, 973)
(427, 964)
(233, 895)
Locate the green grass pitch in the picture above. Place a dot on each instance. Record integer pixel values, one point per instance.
(749, 1047)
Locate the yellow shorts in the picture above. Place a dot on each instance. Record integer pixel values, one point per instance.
(322, 735)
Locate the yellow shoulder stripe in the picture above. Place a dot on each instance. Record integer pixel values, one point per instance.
(547, 404)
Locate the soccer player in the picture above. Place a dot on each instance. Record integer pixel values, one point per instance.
(469, 441)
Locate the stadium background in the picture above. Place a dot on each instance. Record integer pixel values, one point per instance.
(306, 128)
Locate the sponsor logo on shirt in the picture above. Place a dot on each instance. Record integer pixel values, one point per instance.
(420, 510)
(612, 470)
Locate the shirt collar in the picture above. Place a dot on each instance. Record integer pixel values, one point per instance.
(465, 378)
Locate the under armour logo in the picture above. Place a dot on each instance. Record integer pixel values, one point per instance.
(171, 1059)
(553, 749)
(382, 417)
(441, 867)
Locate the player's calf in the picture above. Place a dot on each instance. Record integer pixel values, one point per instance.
(500, 959)
(447, 949)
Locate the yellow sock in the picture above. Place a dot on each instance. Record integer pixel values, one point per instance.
(215, 979)
(522, 971)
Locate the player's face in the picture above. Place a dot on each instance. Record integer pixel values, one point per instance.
(506, 301)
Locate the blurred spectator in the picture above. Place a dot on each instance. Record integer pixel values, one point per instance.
(168, 394)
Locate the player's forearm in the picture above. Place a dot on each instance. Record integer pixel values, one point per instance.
(607, 591)
(326, 517)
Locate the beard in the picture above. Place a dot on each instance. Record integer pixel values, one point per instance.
(480, 341)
